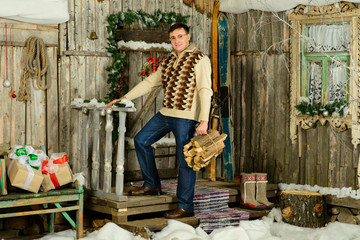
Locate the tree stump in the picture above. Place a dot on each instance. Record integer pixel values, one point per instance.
(303, 208)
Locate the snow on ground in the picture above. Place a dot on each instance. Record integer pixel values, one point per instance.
(268, 228)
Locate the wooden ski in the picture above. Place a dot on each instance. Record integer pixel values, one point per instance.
(224, 79)
(214, 121)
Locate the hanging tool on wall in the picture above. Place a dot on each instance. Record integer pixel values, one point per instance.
(6, 82)
(35, 66)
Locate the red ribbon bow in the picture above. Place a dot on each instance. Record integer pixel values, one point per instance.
(154, 62)
(52, 176)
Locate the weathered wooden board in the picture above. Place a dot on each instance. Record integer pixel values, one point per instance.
(149, 36)
(22, 31)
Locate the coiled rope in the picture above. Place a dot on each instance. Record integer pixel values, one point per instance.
(35, 66)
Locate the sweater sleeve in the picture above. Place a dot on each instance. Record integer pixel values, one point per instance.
(203, 86)
(145, 86)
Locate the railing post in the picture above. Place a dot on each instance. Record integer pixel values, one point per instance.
(84, 147)
(96, 151)
(92, 174)
(120, 160)
(108, 151)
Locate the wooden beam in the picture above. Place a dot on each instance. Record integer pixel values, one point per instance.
(149, 36)
(23, 44)
(86, 53)
(343, 202)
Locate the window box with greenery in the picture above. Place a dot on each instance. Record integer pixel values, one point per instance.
(324, 62)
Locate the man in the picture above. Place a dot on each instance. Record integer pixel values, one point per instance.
(186, 80)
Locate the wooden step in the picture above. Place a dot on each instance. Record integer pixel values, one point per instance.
(137, 206)
(120, 211)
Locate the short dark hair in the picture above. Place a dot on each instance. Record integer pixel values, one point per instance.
(177, 26)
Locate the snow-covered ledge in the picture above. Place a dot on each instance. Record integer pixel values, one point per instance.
(141, 45)
(338, 192)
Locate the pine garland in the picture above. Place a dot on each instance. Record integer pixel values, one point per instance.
(334, 108)
(118, 86)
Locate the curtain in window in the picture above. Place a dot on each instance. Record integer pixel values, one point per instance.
(328, 38)
(337, 81)
(315, 72)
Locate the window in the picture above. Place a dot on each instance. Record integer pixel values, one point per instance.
(324, 58)
(325, 62)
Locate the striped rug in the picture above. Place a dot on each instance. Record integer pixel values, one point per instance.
(210, 205)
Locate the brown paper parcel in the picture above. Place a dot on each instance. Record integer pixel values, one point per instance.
(3, 190)
(63, 175)
(24, 176)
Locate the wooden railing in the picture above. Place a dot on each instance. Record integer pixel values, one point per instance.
(93, 117)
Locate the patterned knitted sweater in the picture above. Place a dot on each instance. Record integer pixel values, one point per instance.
(186, 81)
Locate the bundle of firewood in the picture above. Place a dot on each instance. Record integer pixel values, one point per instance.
(202, 149)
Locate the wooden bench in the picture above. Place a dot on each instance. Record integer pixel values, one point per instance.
(47, 203)
(21, 203)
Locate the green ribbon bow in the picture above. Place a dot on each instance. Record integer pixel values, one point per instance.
(20, 151)
(34, 162)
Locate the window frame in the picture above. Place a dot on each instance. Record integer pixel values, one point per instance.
(301, 17)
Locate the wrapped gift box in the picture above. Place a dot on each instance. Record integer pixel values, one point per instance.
(24, 176)
(56, 171)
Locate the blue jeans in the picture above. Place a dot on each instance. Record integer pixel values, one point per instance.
(154, 130)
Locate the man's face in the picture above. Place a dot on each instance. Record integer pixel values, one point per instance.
(180, 40)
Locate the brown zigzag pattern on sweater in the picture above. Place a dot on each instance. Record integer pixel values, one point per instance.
(179, 82)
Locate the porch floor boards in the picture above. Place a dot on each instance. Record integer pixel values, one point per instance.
(140, 212)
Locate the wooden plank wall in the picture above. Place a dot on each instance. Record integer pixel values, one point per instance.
(27, 123)
(261, 102)
(260, 93)
(77, 70)
(83, 61)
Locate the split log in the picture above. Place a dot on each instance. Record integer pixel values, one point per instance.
(190, 161)
(211, 150)
(357, 219)
(219, 138)
(202, 149)
(205, 160)
(201, 140)
(303, 208)
(190, 153)
(199, 165)
(345, 216)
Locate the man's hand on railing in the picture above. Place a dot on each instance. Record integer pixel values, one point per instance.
(109, 105)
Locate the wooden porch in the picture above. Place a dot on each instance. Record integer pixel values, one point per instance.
(140, 212)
